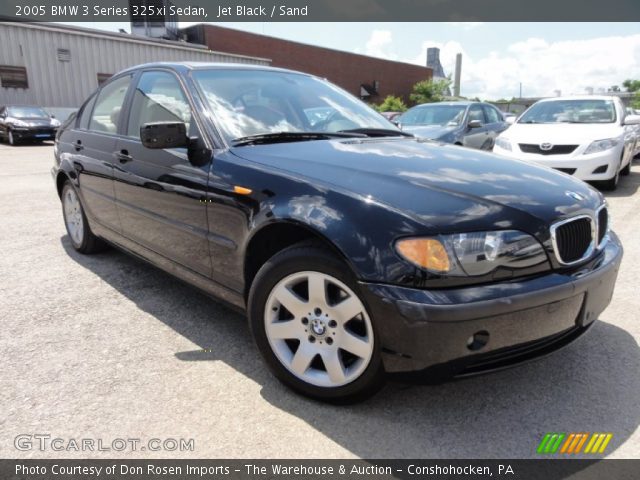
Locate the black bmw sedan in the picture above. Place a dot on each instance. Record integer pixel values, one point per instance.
(356, 250)
(18, 123)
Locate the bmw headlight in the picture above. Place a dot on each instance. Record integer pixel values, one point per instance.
(472, 254)
(503, 143)
(601, 145)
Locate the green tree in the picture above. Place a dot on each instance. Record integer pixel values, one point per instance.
(631, 85)
(635, 103)
(430, 91)
(391, 104)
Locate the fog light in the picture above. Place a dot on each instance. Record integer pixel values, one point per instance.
(478, 340)
(601, 169)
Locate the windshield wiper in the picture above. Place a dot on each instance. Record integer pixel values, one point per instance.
(279, 137)
(377, 132)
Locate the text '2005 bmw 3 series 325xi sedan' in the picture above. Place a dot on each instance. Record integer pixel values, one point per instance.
(356, 250)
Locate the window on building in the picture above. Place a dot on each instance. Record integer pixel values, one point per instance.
(13, 77)
(103, 77)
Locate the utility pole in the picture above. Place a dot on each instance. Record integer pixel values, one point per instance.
(520, 96)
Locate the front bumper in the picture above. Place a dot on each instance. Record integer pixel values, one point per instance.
(34, 133)
(576, 164)
(430, 330)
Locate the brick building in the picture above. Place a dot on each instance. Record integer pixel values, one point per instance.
(371, 79)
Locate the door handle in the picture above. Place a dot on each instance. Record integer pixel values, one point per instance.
(78, 145)
(123, 156)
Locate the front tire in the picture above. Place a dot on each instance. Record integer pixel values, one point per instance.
(12, 141)
(82, 238)
(312, 327)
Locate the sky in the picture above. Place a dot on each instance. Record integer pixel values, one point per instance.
(546, 58)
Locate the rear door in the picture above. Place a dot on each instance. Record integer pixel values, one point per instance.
(495, 123)
(91, 145)
(159, 193)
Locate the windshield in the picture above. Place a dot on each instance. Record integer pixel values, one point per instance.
(571, 111)
(255, 102)
(27, 112)
(433, 115)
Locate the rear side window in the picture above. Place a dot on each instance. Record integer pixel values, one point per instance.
(492, 114)
(106, 113)
(158, 97)
(85, 114)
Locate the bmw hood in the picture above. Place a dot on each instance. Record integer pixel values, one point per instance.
(441, 185)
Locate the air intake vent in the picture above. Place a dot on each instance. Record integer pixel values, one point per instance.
(64, 55)
(603, 224)
(573, 239)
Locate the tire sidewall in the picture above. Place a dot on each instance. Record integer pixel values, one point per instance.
(296, 259)
(11, 139)
(85, 225)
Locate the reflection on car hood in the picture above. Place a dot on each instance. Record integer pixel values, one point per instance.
(428, 131)
(433, 183)
(562, 133)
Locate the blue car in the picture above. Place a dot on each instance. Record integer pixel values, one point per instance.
(470, 124)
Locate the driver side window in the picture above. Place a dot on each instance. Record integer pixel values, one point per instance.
(475, 113)
(158, 97)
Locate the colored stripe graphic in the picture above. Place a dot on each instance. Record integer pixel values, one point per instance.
(572, 443)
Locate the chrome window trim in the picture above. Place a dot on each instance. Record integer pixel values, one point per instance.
(592, 245)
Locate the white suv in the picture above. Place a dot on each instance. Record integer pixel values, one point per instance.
(581, 136)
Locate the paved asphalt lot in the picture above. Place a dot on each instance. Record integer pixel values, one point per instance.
(108, 347)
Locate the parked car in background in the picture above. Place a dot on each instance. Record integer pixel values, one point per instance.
(391, 116)
(470, 124)
(18, 123)
(509, 117)
(581, 136)
(355, 249)
(634, 132)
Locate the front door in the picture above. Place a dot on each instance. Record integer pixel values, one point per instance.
(159, 193)
(475, 137)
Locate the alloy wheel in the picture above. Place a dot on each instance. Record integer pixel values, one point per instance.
(319, 329)
(73, 216)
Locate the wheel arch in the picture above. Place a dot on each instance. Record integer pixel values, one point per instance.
(274, 237)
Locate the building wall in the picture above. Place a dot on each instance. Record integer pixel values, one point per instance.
(347, 70)
(54, 83)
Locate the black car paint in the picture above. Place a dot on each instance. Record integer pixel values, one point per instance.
(357, 195)
(481, 137)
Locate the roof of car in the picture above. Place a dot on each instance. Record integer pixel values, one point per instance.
(186, 66)
(579, 97)
(457, 102)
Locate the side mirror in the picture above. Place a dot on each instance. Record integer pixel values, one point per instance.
(474, 124)
(52, 116)
(510, 120)
(159, 135)
(632, 120)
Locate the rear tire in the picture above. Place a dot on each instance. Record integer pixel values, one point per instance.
(82, 238)
(311, 325)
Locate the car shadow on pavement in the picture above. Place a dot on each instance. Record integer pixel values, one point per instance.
(627, 187)
(591, 386)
